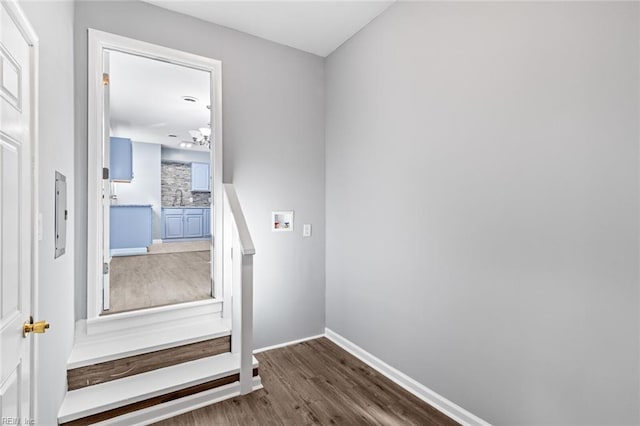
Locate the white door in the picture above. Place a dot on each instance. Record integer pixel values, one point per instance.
(16, 217)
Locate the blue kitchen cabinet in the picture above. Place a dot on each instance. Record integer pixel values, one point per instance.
(120, 160)
(173, 226)
(186, 223)
(130, 230)
(200, 177)
(193, 223)
(206, 221)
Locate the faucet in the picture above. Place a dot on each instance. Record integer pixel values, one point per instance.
(175, 197)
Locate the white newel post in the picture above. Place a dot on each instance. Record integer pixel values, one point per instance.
(238, 277)
(236, 291)
(246, 361)
(227, 262)
(242, 325)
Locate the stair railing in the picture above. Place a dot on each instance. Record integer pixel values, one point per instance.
(238, 283)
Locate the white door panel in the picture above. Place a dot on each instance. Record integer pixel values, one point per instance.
(9, 397)
(16, 216)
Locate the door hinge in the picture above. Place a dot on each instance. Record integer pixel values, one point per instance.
(105, 268)
(105, 79)
(105, 173)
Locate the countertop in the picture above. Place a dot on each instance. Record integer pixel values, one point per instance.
(131, 205)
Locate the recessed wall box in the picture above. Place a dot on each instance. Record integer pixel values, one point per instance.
(282, 221)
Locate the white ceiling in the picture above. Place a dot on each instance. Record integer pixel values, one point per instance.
(146, 95)
(146, 102)
(317, 27)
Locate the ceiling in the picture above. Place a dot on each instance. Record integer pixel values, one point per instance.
(317, 27)
(146, 102)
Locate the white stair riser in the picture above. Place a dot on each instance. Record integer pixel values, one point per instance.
(92, 400)
(121, 322)
(95, 349)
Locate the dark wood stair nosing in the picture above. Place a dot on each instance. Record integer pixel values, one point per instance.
(160, 399)
(107, 371)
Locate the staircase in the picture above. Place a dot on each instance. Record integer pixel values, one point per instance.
(155, 370)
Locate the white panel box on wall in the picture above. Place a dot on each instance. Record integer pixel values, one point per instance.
(60, 215)
(282, 221)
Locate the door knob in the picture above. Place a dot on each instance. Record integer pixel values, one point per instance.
(38, 327)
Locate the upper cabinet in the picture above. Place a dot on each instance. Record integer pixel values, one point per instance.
(120, 160)
(200, 177)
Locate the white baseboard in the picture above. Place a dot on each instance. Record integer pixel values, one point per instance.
(136, 251)
(158, 241)
(439, 402)
(282, 345)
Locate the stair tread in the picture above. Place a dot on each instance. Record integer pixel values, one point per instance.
(117, 393)
(96, 349)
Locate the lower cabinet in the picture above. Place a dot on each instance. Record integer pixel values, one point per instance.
(186, 223)
(173, 226)
(193, 223)
(130, 229)
(206, 222)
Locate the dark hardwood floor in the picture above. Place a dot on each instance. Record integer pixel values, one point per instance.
(130, 366)
(316, 382)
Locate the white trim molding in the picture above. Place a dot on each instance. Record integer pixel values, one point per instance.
(282, 345)
(137, 251)
(98, 42)
(432, 398)
(437, 401)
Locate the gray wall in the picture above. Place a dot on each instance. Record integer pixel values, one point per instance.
(53, 23)
(273, 124)
(144, 188)
(482, 204)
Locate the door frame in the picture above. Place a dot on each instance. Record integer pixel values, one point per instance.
(20, 19)
(98, 41)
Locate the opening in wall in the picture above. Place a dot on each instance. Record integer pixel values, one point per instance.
(155, 177)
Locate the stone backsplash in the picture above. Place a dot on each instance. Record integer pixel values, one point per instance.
(177, 175)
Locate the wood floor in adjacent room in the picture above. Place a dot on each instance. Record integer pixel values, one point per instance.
(316, 382)
(146, 281)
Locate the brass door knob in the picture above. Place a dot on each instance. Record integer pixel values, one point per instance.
(38, 327)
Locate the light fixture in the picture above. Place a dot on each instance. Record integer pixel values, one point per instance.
(186, 144)
(206, 132)
(202, 136)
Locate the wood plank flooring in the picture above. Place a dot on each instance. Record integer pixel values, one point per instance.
(317, 382)
(146, 281)
(179, 246)
(123, 367)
